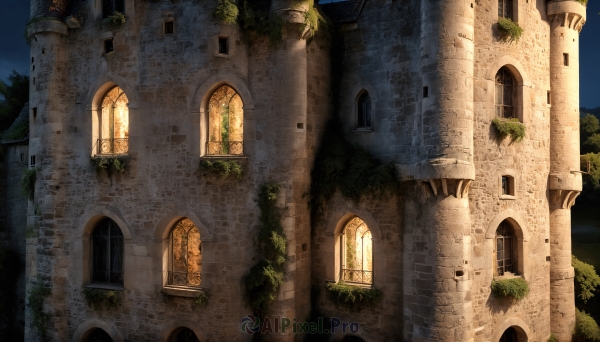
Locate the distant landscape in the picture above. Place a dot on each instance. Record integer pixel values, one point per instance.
(594, 111)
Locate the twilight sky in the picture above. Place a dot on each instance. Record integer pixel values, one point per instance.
(14, 53)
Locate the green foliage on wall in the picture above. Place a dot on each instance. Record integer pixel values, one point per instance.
(265, 278)
(16, 95)
(98, 297)
(509, 127)
(351, 297)
(224, 168)
(552, 338)
(35, 301)
(516, 288)
(509, 30)
(583, 2)
(340, 165)
(254, 23)
(108, 164)
(227, 12)
(115, 20)
(27, 182)
(19, 132)
(586, 327)
(201, 300)
(586, 279)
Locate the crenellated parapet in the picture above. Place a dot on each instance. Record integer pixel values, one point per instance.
(567, 13)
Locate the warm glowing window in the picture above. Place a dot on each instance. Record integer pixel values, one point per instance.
(183, 334)
(225, 123)
(506, 88)
(186, 255)
(107, 253)
(505, 248)
(364, 111)
(357, 252)
(114, 123)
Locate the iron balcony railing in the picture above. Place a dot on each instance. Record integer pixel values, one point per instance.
(357, 276)
(185, 278)
(112, 146)
(225, 147)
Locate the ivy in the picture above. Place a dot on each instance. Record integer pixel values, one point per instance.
(98, 297)
(35, 301)
(586, 327)
(201, 300)
(517, 288)
(265, 278)
(115, 20)
(224, 168)
(227, 12)
(583, 2)
(108, 164)
(256, 24)
(509, 127)
(353, 297)
(509, 30)
(27, 182)
(586, 279)
(348, 168)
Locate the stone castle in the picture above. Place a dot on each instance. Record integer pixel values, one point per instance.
(417, 83)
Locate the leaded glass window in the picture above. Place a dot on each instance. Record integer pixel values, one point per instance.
(505, 94)
(109, 7)
(107, 253)
(183, 334)
(505, 243)
(225, 122)
(186, 255)
(357, 252)
(505, 9)
(114, 123)
(364, 111)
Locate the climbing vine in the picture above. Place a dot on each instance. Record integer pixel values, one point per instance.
(27, 182)
(201, 300)
(35, 301)
(224, 168)
(340, 165)
(98, 297)
(265, 278)
(516, 288)
(351, 297)
(115, 20)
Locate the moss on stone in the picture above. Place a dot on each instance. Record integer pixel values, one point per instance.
(509, 30)
(516, 288)
(509, 127)
(352, 297)
(224, 168)
(227, 12)
(96, 298)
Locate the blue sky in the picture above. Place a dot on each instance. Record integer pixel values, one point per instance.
(14, 53)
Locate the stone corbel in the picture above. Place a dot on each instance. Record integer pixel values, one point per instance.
(565, 199)
(458, 188)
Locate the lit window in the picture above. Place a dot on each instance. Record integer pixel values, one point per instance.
(357, 253)
(505, 94)
(186, 255)
(183, 334)
(109, 7)
(505, 9)
(114, 123)
(364, 111)
(107, 253)
(225, 123)
(505, 246)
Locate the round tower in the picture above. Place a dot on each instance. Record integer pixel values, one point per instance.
(566, 19)
(445, 172)
(48, 64)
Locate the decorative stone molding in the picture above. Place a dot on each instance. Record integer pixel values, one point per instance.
(522, 329)
(564, 199)
(85, 327)
(567, 13)
(458, 188)
(518, 223)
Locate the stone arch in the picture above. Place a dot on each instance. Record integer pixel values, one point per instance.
(170, 327)
(93, 214)
(84, 328)
(515, 67)
(522, 329)
(522, 236)
(358, 89)
(339, 219)
(162, 229)
(522, 89)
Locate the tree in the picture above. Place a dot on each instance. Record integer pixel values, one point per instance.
(15, 94)
(589, 125)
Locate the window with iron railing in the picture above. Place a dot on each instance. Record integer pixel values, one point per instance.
(357, 253)
(186, 255)
(225, 123)
(113, 135)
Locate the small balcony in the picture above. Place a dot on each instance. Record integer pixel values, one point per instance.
(111, 146)
(357, 276)
(185, 279)
(215, 148)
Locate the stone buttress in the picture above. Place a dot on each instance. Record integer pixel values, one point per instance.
(566, 20)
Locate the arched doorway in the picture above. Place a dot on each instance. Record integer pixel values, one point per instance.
(97, 335)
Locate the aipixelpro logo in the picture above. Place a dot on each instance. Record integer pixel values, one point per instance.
(281, 325)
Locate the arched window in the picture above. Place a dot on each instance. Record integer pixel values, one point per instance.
(357, 253)
(364, 111)
(183, 334)
(186, 255)
(109, 7)
(506, 88)
(509, 335)
(225, 123)
(107, 253)
(505, 249)
(97, 335)
(113, 135)
(505, 9)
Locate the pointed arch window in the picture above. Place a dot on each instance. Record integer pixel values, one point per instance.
(97, 335)
(185, 268)
(506, 88)
(109, 7)
(357, 253)
(505, 249)
(183, 334)
(107, 253)
(113, 125)
(225, 123)
(505, 9)
(364, 111)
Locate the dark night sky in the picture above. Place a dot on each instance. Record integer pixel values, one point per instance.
(14, 53)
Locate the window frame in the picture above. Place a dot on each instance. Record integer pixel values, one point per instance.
(170, 265)
(116, 146)
(503, 73)
(502, 13)
(211, 148)
(364, 112)
(343, 255)
(108, 257)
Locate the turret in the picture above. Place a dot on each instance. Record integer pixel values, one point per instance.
(445, 173)
(566, 19)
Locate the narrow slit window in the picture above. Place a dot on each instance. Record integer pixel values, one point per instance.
(168, 27)
(108, 46)
(566, 59)
(34, 113)
(32, 161)
(223, 46)
(364, 111)
(425, 92)
(548, 98)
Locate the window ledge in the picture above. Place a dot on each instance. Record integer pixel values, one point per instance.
(222, 55)
(507, 197)
(224, 156)
(105, 287)
(508, 275)
(186, 292)
(116, 155)
(364, 286)
(362, 130)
